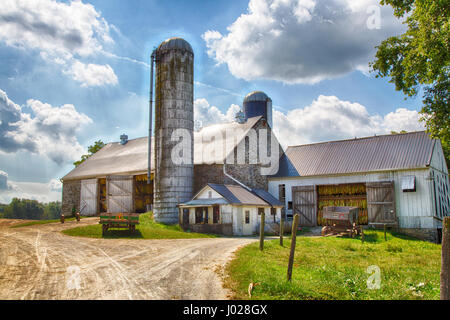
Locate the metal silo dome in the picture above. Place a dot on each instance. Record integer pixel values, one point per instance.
(257, 103)
(175, 43)
(256, 96)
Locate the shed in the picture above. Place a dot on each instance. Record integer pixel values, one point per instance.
(229, 210)
(397, 179)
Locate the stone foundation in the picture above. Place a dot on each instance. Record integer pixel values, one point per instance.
(422, 234)
(223, 229)
(71, 197)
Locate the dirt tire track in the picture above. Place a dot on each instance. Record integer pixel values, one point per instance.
(34, 264)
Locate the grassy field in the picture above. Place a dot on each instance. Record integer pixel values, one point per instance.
(147, 229)
(35, 222)
(335, 268)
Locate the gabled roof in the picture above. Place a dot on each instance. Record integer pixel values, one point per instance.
(387, 152)
(235, 194)
(132, 157)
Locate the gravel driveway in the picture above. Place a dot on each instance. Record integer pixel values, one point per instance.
(39, 262)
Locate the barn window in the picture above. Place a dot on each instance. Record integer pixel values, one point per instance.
(273, 212)
(289, 205)
(409, 183)
(260, 211)
(198, 215)
(209, 194)
(247, 217)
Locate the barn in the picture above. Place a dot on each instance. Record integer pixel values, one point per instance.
(115, 178)
(398, 180)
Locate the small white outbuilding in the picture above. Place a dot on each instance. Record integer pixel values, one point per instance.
(230, 210)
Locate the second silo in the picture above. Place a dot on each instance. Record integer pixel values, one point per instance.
(174, 98)
(257, 103)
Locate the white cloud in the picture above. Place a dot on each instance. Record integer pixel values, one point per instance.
(326, 118)
(50, 131)
(42, 192)
(300, 41)
(205, 114)
(93, 74)
(329, 118)
(63, 33)
(55, 185)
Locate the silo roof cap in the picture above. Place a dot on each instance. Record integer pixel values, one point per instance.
(174, 44)
(256, 96)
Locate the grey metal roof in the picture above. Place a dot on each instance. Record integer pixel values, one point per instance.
(132, 158)
(256, 96)
(205, 202)
(267, 197)
(238, 195)
(175, 43)
(387, 152)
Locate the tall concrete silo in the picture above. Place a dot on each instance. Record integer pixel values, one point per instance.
(174, 109)
(257, 103)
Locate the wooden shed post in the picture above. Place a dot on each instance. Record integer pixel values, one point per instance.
(445, 264)
(261, 231)
(292, 253)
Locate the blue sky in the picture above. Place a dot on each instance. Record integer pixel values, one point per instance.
(73, 72)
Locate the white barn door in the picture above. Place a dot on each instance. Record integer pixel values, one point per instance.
(88, 198)
(119, 190)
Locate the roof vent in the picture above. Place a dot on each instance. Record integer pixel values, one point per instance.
(123, 139)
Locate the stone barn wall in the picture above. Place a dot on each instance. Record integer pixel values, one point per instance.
(71, 196)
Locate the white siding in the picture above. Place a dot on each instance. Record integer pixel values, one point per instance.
(438, 159)
(413, 209)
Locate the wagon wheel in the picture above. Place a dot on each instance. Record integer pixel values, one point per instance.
(326, 230)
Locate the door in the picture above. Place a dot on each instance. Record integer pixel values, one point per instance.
(381, 202)
(304, 203)
(247, 223)
(120, 194)
(88, 197)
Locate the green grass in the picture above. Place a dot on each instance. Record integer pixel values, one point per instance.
(147, 229)
(335, 268)
(35, 222)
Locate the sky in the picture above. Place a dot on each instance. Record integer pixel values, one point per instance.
(73, 72)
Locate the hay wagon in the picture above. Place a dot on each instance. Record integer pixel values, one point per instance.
(119, 221)
(341, 219)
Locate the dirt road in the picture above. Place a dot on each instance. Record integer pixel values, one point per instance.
(39, 262)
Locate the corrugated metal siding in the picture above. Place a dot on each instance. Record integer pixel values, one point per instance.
(388, 152)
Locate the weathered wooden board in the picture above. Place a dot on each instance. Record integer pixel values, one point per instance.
(88, 197)
(381, 202)
(304, 203)
(120, 191)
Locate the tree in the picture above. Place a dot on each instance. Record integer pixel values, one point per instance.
(420, 59)
(91, 149)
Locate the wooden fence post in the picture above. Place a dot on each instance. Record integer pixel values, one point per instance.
(292, 253)
(281, 229)
(261, 231)
(362, 234)
(445, 264)
(385, 238)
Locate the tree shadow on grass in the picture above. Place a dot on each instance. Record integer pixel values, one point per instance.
(122, 234)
